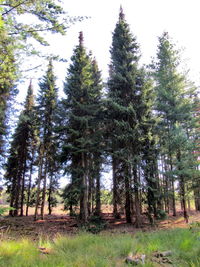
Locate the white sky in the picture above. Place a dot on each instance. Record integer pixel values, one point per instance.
(147, 19)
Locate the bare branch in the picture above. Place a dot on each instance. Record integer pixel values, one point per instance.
(32, 68)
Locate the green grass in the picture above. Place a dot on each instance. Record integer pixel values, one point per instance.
(87, 250)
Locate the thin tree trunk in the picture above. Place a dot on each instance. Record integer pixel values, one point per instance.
(17, 195)
(197, 198)
(12, 198)
(182, 190)
(115, 193)
(137, 200)
(84, 191)
(173, 189)
(38, 189)
(44, 190)
(29, 188)
(89, 193)
(127, 178)
(166, 189)
(98, 194)
(50, 195)
(23, 187)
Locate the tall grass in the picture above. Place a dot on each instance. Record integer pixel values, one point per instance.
(87, 250)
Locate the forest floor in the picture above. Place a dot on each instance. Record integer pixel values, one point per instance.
(61, 224)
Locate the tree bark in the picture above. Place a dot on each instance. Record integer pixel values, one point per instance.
(127, 176)
(137, 199)
(38, 188)
(182, 190)
(29, 188)
(98, 194)
(84, 191)
(115, 192)
(44, 189)
(173, 189)
(50, 195)
(23, 187)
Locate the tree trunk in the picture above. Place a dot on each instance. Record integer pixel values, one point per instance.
(44, 190)
(182, 189)
(166, 189)
(90, 187)
(115, 193)
(29, 188)
(17, 195)
(50, 195)
(137, 200)
(84, 191)
(38, 188)
(197, 199)
(127, 177)
(12, 198)
(98, 194)
(173, 189)
(23, 187)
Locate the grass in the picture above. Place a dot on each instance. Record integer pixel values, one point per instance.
(87, 250)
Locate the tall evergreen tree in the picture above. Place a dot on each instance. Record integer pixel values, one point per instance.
(21, 156)
(47, 103)
(83, 95)
(122, 107)
(174, 108)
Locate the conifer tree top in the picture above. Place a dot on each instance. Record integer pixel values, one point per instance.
(80, 38)
(121, 14)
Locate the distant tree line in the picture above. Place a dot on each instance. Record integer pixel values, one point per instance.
(144, 122)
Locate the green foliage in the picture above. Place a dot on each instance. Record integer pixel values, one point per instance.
(22, 152)
(48, 151)
(82, 144)
(161, 215)
(106, 197)
(94, 225)
(8, 74)
(16, 42)
(4, 209)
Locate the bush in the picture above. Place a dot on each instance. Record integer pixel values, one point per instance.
(4, 209)
(161, 215)
(95, 225)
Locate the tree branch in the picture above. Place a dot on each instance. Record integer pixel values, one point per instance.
(36, 30)
(13, 7)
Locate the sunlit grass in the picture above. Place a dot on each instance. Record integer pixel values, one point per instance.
(87, 250)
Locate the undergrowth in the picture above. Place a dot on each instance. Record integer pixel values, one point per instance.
(103, 250)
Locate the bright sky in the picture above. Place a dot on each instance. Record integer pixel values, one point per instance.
(147, 19)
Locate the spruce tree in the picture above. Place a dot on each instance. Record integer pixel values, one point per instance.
(21, 156)
(47, 103)
(82, 87)
(123, 94)
(174, 108)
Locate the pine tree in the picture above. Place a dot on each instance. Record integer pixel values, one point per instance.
(82, 87)
(122, 108)
(21, 156)
(174, 109)
(47, 103)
